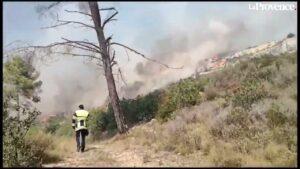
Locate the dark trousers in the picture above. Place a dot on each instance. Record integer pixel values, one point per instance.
(83, 133)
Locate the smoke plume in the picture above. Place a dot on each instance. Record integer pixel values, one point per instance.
(68, 83)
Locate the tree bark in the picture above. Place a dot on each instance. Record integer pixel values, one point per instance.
(104, 45)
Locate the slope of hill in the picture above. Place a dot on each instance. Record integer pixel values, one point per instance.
(243, 115)
(274, 48)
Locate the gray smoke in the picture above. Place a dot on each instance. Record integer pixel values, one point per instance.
(69, 82)
(187, 49)
(208, 38)
(132, 90)
(164, 51)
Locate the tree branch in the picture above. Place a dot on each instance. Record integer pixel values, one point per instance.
(53, 26)
(109, 38)
(109, 19)
(76, 22)
(122, 78)
(62, 44)
(74, 44)
(105, 9)
(68, 22)
(95, 47)
(113, 63)
(52, 5)
(42, 9)
(152, 60)
(113, 57)
(76, 54)
(79, 13)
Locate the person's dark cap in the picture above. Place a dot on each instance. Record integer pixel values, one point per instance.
(81, 106)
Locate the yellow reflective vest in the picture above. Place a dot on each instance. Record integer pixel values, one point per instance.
(79, 119)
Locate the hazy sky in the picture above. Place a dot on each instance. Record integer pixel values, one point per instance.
(178, 33)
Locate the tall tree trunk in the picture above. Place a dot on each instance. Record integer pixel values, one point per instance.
(113, 95)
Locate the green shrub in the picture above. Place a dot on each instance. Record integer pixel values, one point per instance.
(147, 106)
(97, 123)
(275, 116)
(54, 123)
(143, 108)
(186, 93)
(238, 116)
(251, 91)
(107, 120)
(165, 109)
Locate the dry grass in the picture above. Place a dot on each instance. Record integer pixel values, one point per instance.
(189, 133)
(63, 146)
(41, 145)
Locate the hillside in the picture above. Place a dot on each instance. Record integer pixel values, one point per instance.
(243, 115)
(274, 48)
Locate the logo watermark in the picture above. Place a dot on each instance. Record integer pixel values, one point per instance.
(272, 7)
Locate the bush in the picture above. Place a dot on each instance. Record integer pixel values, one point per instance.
(106, 121)
(186, 93)
(165, 109)
(143, 108)
(38, 146)
(238, 117)
(97, 123)
(275, 116)
(147, 106)
(251, 91)
(54, 123)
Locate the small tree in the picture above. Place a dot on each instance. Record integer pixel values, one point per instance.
(20, 86)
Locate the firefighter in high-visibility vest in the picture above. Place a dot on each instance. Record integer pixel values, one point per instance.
(79, 124)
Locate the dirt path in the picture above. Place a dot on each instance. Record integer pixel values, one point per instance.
(94, 156)
(103, 155)
(123, 151)
(115, 154)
